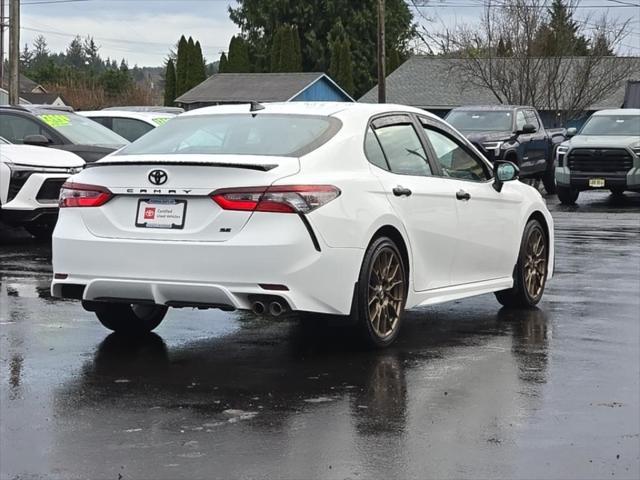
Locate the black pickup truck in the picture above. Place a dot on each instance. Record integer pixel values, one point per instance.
(513, 133)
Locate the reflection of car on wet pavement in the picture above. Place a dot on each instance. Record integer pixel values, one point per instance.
(261, 207)
(605, 154)
(30, 182)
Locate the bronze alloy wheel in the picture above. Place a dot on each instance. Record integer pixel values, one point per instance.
(386, 292)
(535, 264)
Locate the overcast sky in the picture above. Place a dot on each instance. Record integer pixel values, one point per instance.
(143, 31)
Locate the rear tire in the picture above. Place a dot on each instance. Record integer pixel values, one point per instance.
(530, 275)
(129, 319)
(567, 195)
(382, 294)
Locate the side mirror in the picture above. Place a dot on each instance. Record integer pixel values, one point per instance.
(528, 128)
(571, 132)
(504, 172)
(36, 140)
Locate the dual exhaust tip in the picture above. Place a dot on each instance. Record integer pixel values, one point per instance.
(274, 308)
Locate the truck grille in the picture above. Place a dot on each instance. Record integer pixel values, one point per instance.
(50, 190)
(600, 160)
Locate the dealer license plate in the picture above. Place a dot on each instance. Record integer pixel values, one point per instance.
(596, 182)
(161, 213)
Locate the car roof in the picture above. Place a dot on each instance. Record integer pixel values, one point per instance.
(145, 116)
(488, 108)
(308, 108)
(632, 112)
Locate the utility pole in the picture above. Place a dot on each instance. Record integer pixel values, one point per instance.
(2, 25)
(14, 52)
(382, 58)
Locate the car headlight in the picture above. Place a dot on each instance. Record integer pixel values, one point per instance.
(492, 145)
(18, 170)
(562, 150)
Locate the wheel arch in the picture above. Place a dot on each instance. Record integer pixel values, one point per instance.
(551, 257)
(394, 234)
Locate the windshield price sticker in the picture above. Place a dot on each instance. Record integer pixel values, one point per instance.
(160, 121)
(56, 120)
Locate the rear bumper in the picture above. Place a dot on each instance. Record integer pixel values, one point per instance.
(271, 249)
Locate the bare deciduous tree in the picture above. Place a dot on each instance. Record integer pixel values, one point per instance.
(514, 52)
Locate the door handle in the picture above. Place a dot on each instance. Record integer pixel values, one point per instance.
(401, 191)
(462, 195)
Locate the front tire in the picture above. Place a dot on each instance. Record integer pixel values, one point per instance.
(530, 275)
(129, 319)
(568, 195)
(382, 293)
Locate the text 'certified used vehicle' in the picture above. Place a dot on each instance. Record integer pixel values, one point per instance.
(352, 210)
(605, 154)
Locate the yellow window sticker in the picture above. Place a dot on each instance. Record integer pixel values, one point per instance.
(161, 120)
(56, 120)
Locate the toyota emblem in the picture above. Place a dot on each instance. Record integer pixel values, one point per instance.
(158, 177)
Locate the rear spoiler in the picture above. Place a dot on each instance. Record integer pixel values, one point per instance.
(245, 166)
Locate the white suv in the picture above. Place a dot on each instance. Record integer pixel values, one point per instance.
(30, 181)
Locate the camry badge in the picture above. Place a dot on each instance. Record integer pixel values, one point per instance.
(158, 177)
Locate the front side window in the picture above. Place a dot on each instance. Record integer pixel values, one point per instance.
(15, 127)
(237, 134)
(623, 125)
(81, 130)
(455, 161)
(531, 118)
(403, 150)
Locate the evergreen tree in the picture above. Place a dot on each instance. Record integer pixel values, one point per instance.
(181, 66)
(296, 65)
(345, 68)
(393, 60)
(200, 68)
(26, 57)
(560, 36)
(191, 65)
(222, 66)
(238, 59)
(276, 48)
(286, 51)
(170, 84)
(75, 55)
(334, 62)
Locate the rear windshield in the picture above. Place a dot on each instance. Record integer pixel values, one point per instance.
(237, 134)
(624, 125)
(81, 130)
(481, 121)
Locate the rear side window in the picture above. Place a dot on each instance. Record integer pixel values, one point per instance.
(373, 151)
(238, 134)
(403, 150)
(129, 128)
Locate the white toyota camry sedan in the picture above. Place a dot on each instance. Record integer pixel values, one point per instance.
(358, 211)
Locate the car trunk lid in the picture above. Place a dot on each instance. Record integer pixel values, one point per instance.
(168, 198)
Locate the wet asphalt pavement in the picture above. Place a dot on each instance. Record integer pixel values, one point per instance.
(468, 391)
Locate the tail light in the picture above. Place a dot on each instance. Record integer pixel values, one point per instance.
(278, 199)
(81, 195)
